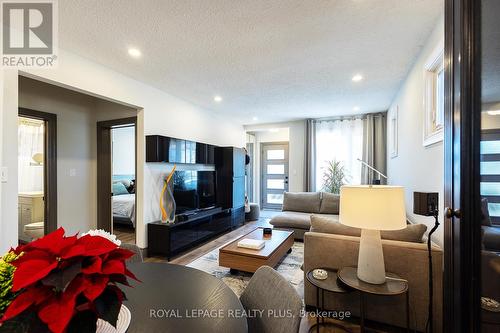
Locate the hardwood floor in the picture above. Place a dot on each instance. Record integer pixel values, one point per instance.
(124, 233)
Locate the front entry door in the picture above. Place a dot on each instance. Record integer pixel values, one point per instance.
(274, 174)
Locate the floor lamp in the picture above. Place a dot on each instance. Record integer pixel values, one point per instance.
(426, 203)
(372, 208)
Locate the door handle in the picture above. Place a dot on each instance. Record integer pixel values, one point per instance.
(450, 213)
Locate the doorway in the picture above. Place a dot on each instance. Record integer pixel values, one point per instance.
(274, 174)
(116, 177)
(37, 178)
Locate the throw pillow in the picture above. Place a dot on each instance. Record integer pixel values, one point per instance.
(486, 220)
(329, 203)
(119, 189)
(412, 233)
(307, 202)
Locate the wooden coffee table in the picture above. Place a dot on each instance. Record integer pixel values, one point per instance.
(277, 245)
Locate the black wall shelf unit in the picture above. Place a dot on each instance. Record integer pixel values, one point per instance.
(172, 150)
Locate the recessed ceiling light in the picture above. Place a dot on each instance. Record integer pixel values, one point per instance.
(356, 108)
(255, 118)
(357, 78)
(494, 113)
(274, 130)
(217, 98)
(135, 53)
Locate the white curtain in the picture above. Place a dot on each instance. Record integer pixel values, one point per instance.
(30, 142)
(340, 140)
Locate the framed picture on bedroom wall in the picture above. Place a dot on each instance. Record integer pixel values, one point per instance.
(393, 131)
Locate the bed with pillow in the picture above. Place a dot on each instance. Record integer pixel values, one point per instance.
(123, 201)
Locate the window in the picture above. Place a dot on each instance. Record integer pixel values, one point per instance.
(434, 98)
(490, 172)
(339, 140)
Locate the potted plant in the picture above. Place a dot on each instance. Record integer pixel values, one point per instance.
(334, 176)
(63, 284)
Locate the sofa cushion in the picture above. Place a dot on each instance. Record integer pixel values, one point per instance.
(486, 220)
(412, 233)
(491, 238)
(295, 220)
(329, 203)
(307, 202)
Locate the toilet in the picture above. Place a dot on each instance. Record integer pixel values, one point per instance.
(34, 230)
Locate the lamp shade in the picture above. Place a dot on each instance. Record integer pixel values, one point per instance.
(375, 207)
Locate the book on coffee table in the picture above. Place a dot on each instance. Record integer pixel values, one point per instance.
(254, 244)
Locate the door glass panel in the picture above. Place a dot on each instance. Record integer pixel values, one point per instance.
(275, 198)
(276, 169)
(490, 168)
(278, 154)
(490, 147)
(276, 184)
(488, 221)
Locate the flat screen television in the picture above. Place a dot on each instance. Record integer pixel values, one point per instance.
(194, 190)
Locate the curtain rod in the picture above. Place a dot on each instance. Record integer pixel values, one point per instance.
(352, 117)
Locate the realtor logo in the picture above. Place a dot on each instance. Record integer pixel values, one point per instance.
(29, 33)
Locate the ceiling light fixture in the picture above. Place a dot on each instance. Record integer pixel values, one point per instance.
(356, 108)
(255, 118)
(357, 78)
(217, 98)
(494, 113)
(135, 53)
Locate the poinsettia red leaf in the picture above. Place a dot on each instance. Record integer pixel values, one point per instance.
(131, 275)
(76, 286)
(32, 271)
(121, 254)
(119, 278)
(96, 245)
(95, 287)
(34, 255)
(113, 267)
(24, 300)
(92, 265)
(51, 242)
(72, 251)
(57, 312)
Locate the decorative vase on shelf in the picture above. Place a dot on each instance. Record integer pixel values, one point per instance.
(167, 201)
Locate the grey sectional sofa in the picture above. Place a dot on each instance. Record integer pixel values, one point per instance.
(298, 207)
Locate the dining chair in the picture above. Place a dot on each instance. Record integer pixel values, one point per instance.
(137, 257)
(271, 303)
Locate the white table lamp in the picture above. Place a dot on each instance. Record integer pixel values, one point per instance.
(372, 208)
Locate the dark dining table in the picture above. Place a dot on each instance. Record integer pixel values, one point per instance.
(174, 298)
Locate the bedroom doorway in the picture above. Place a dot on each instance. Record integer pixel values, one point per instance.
(37, 177)
(116, 177)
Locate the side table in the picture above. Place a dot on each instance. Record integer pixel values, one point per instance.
(393, 286)
(331, 284)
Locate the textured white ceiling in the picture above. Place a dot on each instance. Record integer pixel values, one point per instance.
(271, 59)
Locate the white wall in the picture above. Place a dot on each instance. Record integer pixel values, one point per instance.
(123, 151)
(159, 113)
(296, 142)
(416, 167)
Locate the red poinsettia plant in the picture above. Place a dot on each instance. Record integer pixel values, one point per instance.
(64, 284)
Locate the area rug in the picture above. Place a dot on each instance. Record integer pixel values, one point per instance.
(288, 267)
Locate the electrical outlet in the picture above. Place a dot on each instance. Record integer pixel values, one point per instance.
(72, 172)
(4, 174)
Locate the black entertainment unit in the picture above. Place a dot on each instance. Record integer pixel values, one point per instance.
(171, 239)
(202, 214)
